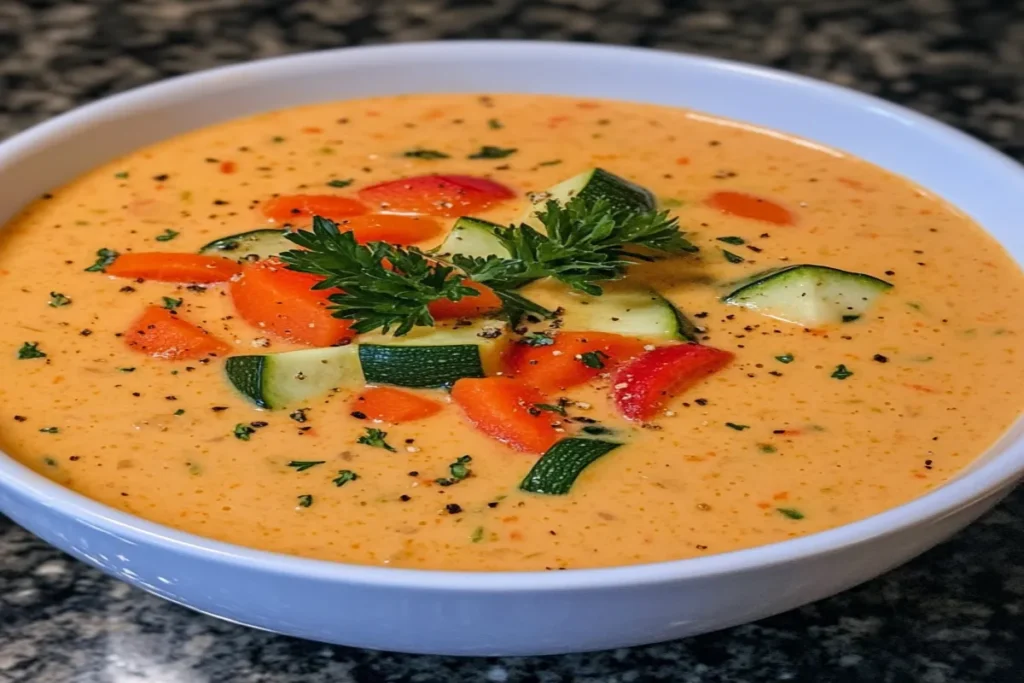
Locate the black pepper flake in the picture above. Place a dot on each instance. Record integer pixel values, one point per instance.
(702, 314)
(161, 178)
(20, 418)
(778, 431)
(136, 394)
(405, 498)
(702, 547)
(880, 358)
(492, 504)
(127, 289)
(171, 398)
(85, 333)
(701, 401)
(358, 415)
(219, 202)
(258, 424)
(218, 409)
(927, 464)
(890, 272)
(453, 508)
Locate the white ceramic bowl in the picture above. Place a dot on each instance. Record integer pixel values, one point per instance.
(526, 612)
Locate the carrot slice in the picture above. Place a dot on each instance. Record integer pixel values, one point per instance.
(467, 306)
(642, 386)
(163, 334)
(574, 358)
(282, 302)
(296, 207)
(437, 195)
(393, 228)
(750, 206)
(503, 408)
(394, 405)
(173, 267)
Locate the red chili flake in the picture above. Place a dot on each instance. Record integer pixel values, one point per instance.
(312, 129)
(228, 167)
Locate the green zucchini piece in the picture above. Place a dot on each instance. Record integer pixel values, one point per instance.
(809, 295)
(557, 470)
(591, 185)
(278, 380)
(473, 237)
(434, 357)
(628, 310)
(253, 245)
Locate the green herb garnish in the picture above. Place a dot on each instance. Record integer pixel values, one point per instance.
(126, 370)
(494, 124)
(737, 427)
(732, 240)
(50, 430)
(179, 411)
(670, 203)
(30, 350)
(121, 174)
(303, 465)
(171, 303)
(596, 430)
(792, 513)
(167, 235)
(305, 500)
(344, 477)
(537, 339)
(336, 182)
(731, 257)
(785, 358)
(57, 300)
(458, 469)
(104, 257)
(424, 154)
(560, 409)
(490, 152)
(477, 535)
(594, 359)
(551, 162)
(243, 432)
(841, 372)
(375, 437)
(766, 448)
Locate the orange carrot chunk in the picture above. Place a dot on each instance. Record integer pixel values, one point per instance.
(299, 207)
(282, 302)
(750, 206)
(394, 405)
(574, 358)
(437, 195)
(163, 334)
(641, 387)
(468, 306)
(392, 228)
(174, 267)
(504, 409)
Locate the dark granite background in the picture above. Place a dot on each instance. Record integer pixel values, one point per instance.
(951, 616)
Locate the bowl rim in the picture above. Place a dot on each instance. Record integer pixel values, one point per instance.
(987, 479)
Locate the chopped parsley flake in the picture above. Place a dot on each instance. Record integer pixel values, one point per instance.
(424, 154)
(477, 535)
(179, 411)
(552, 162)
(126, 370)
(792, 513)
(49, 430)
(560, 409)
(537, 339)
(490, 152)
(737, 427)
(344, 477)
(850, 318)
(841, 372)
(303, 465)
(785, 358)
(104, 257)
(732, 240)
(171, 303)
(30, 350)
(731, 257)
(495, 124)
(337, 182)
(766, 448)
(375, 437)
(458, 469)
(167, 235)
(121, 174)
(305, 500)
(243, 432)
(57, 300)
(593, 359)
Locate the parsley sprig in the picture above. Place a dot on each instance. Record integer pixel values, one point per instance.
(390, 287)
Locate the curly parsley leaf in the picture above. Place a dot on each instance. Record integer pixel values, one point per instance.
(104, 257)
(376, 438)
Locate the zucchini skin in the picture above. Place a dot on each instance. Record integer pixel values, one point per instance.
(557, 470)
(246, 374)
(419, 366)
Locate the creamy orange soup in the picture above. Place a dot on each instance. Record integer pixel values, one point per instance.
(808, 427)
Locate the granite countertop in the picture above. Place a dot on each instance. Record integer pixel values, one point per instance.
(953, 615)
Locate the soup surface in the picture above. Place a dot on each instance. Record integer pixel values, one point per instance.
(816, 397)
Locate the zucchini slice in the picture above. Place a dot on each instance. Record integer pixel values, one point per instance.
(434, 357)
(591, 185)
(278, 380)
(557, 470)
(809, 295)
(259, 244)
(473, 237)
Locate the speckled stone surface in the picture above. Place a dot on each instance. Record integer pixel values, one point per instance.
(954, 615)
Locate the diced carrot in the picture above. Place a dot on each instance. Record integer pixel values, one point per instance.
(394, 405)
(297, 207)
(749, 206)
(467, 306)
(563, 364)
(504, 409)
(163, 334)
(283, 303)
(174, 267)
(642, 386)
(393, 228)
(436, 195)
